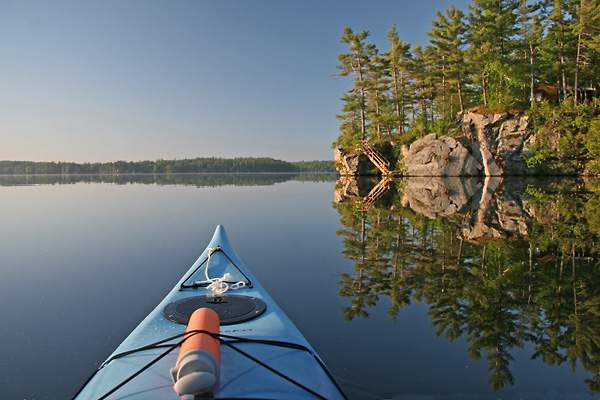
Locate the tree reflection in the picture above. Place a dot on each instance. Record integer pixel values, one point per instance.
(504, 265)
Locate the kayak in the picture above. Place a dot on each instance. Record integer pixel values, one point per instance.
(259, 353)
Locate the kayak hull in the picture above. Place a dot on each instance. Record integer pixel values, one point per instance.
(240, 377)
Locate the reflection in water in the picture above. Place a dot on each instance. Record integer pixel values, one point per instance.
(198, 180)
(503, 264)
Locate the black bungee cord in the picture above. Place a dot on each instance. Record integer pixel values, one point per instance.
(226, 340)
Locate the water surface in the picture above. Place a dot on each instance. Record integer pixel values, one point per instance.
(434, 289)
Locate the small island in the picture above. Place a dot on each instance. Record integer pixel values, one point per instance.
(508, 88)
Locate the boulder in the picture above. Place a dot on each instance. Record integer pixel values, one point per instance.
(443, 156)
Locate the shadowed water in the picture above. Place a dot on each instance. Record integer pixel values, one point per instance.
(428, 288)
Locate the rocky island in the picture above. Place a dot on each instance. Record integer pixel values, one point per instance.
(508, 88)
(488, 144)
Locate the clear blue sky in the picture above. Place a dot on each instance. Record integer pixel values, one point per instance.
(116, 79)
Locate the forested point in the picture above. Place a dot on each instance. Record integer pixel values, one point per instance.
(195, 165)
(539, 56)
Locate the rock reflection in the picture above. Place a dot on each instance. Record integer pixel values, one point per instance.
(501, 263)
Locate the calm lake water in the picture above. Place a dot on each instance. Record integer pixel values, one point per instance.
(427, 288)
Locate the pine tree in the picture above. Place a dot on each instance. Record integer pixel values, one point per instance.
(531, 29)
(447, 35)
(492, 28)
(587, 28)
(356, 63)
(377, 83)
(399, 59)
(424, 85)
(558, 43)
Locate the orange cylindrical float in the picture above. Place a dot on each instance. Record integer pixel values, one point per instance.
(197, 368)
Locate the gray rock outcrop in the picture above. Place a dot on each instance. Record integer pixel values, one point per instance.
(491, 144)
(497, 140)
(443, 156)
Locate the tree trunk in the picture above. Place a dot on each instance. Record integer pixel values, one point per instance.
(396, 99)
(402, 113)
(363, 123)
(460, 97)
(443, 87)
(378, 126)
(561, 46)
(576, 83)
(484, 88)
(574, 276)
(531, 74)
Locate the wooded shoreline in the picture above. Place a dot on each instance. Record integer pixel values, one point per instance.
(540, 58)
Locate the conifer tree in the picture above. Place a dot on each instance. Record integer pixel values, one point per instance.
(356, 62)
(556, 44)
(587, 28)
(399, 59)
(531, 31)
(377, 85)
(421, 71)
(491, 32)
(447, 35)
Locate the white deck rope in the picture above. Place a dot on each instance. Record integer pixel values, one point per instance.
(218, 286)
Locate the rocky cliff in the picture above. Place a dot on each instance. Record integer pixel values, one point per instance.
(488, 144)
(497, 140)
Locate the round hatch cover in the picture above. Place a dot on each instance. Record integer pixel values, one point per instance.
(232, 309)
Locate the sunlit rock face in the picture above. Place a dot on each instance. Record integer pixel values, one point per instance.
(351, 163)
(490, 144)
(443, 156)
(497, 140)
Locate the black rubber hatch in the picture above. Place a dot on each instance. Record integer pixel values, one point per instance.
(232, 309)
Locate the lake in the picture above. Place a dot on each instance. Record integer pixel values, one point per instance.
(412, 289)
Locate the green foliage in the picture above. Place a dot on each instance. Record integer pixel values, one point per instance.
(592, 145)
(448, 40)
(566, 138)
(443, 127)
(504, 88)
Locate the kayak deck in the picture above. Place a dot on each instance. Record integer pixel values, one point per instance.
(240, 377)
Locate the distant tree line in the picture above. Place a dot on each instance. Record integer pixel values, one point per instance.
(194, 165)
(500, 55)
